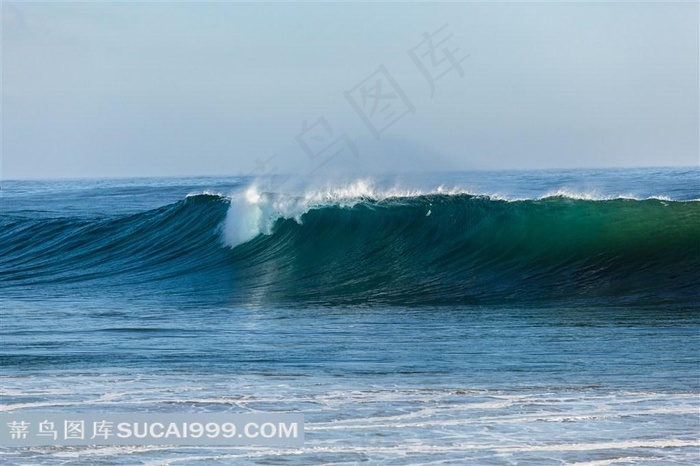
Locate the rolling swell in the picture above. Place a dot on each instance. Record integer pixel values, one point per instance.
(152, 245)
(431, 249)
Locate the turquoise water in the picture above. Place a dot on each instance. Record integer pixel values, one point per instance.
(467, 318)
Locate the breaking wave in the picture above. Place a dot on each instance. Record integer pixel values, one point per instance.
(359, 246)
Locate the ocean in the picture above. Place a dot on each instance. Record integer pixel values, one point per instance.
(506, 317)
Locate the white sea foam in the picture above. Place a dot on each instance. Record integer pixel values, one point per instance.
(406, 424)
(596, 196)
(206, 192)
(254, 210)
(618, 460)
(414, 448)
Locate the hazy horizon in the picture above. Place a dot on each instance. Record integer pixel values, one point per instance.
(107, 90)
(360, 176)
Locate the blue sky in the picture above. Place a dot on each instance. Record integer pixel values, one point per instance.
(154, 89)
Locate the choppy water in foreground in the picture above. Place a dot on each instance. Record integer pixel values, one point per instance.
(469, 318)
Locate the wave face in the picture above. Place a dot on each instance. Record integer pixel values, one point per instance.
(181, 238)
(434, 248)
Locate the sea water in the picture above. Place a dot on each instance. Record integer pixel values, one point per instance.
(534, 317)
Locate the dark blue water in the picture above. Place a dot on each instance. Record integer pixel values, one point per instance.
(467, 318)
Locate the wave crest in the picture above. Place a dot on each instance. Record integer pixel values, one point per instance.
(362, 245)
